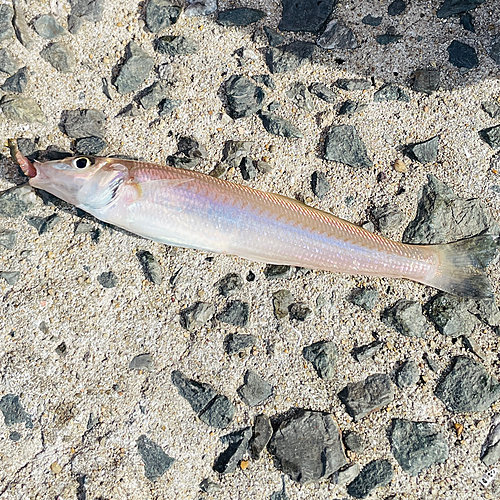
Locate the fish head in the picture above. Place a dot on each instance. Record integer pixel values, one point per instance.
(90, 183)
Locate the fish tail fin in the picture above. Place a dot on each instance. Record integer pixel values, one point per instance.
(462, 264)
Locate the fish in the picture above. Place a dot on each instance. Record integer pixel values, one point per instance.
(185, 208)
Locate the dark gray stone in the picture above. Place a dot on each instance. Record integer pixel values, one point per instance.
(319, 184)
(279, 126)
(374, 475)
(426, 80)
(451, 315)
(26, 146)
(219, 412)
(208, 486)
(282, 300)
(17, 82)
(391, 92)
(344, 145)
(490, 451)
(244, 98)
(11, 277)
(289, 57)
(7, 238)
(351, 107)
(351, 84)
(16, 201)
(90, 146)
(161, 14)
(299, 311)
(323, 92)
(196, 316)
(167, 106)
(175, 45)
(301, 97)
(197, 394)
(237, 442)
(247, 168)
(8, 64)
(15, 436)
(442, 216)
(407, 318)
(61, 349)
(262, 432)
(323, 356)
(492, 108)
(236, 343)
(23, 33)
(388, 38)
(153, 95)
(396, 7)
(254, 390)
(6, 28)
(308, 446)
(408, 374)
(43, 224)
(337, 36)
(108, 279)
(491, 136)
(367, 351)
(273, 37)
(373, 393)
(235, 151)
(150, 267)
(21, 109)
(242, 16)
(424, 152)
(156, 461)
(372, 21)
(273, 271)
(88, 10)
(80, 123)
(365, 298)
(467, 387)
(467, 21)
(14, 412)
(263, 167)
(462, 55)
(305, 15)
(136, 68)
(230, 284)
(388, 218)
(355, 442)
(453, 7)
(47, 27)
(236, 313)
(142, 362)
(60, 56)
(417, 445)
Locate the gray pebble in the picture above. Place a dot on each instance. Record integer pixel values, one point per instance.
(244, 98)
(235, 151)
(467, 21)
(282, 300)
(7, 238)
(417, 445)
(247, 168)
(467, 387)
(136, 68)
(167, 106)
(200, 8)
(208, 486)
(236, 343)
(319, 184)
(388, 37)
(491, 136)
(150, 267)
(344, 145)
(108, 279)
(142, 362)
(351, 107)
(218, 413)
(153, 95)
(490, 451)
(407, 318)
(492, 108)
(301, 97)
(365, 298)
(453, 7)
(47, 27)
(230, 284)
(323, 356)
(305, 15)
(273, 271)
(6, 28)
(8, 64)
(17, 82)
(21, 29)
(299, 311)
(15, 436)
(375, 474)
(391, 92)
(323, 92)
(408, 374)
(388, 218)
(263, 167)
(396, 7)
(254, 390)
(16, 201)
(60, 56)
(355, 442)
(197, 394)
(351, 84)
(426, 80)
(273, 37)
(82, 123)
(337, 36)
(21, 109)
(279, 126)
(367, 351)
(61, 349)
(14, 412)
(373, 393)
(346, 475)
(451, 316)
(156, 461)
(196, 316)
(372, 21)
(175, 45)
(11, 277)
(308, 447)
(425, 152)
(161, 14)
(242, 16)
(237, 442)
(236, 313)
(289, 57)
(43, 224)
(462, 55)
(262, 432)
(89, 10)
(90, 146)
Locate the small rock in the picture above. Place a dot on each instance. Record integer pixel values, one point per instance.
(388, 218)
(14, 412)
(467, 387)
(196, 316)
(396, 7)
(305, 15)
(47, 27)
(56, 468)
(426, 80)
(388, 38)
(355, 442)
(208, 486)
(279, 126)
(367, 351)
(323, 356)
(219, 413)
(299, 311)
(7, 238)
(108, 279)
(374, 475)
(408, 374)
(142, 362)
(351, 107)
(11, 277)
(43, 224)
(21, 29)
(431, 362)
(491, 136)
(167, 106)
(351, 84)
(230, 284)
(344, 145)
(161, 14)
(289, 57)
(247, 168)
(462, 55)
(240, 17)
(407, 318)
(16, 201)
(8, 64)
(273, 272)
(494, 52)
(262, 432)
(200, 8)
(301, 97)
(136, 68)
(197, 394)
(84, 10)
(492, 108)
(425, 152)
(90, 146)
(361, 398)
(60, 56)
(390, 92)
(229, 460)
(235, 343)
(153, 95)
(450, 315)
(235, 151)
(83, 123)
(243, 97)
(266, 80)
(175, 46)
(467, 21)
(15, 436)
(337, 36)
(346, 475)
(263, 167)
(254, 390)
(400, 166)
(308, 446)
(282, 300)
(319, 184)
(236, 313)
(17, 82)
(453, 7)
(6, 28)
(490, 451)
(150, 266)
(61, 349)
(323, 92)
(156, 461)
(21, 109)
(273, 37)
(372, 21)
(365, 298)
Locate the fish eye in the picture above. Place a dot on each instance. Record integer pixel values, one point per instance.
(81, 162)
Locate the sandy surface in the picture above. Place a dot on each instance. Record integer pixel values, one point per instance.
(104, 329)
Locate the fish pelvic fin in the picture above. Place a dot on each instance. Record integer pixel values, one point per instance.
(462, 264)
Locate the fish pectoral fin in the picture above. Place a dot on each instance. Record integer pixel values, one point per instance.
(144, 188)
